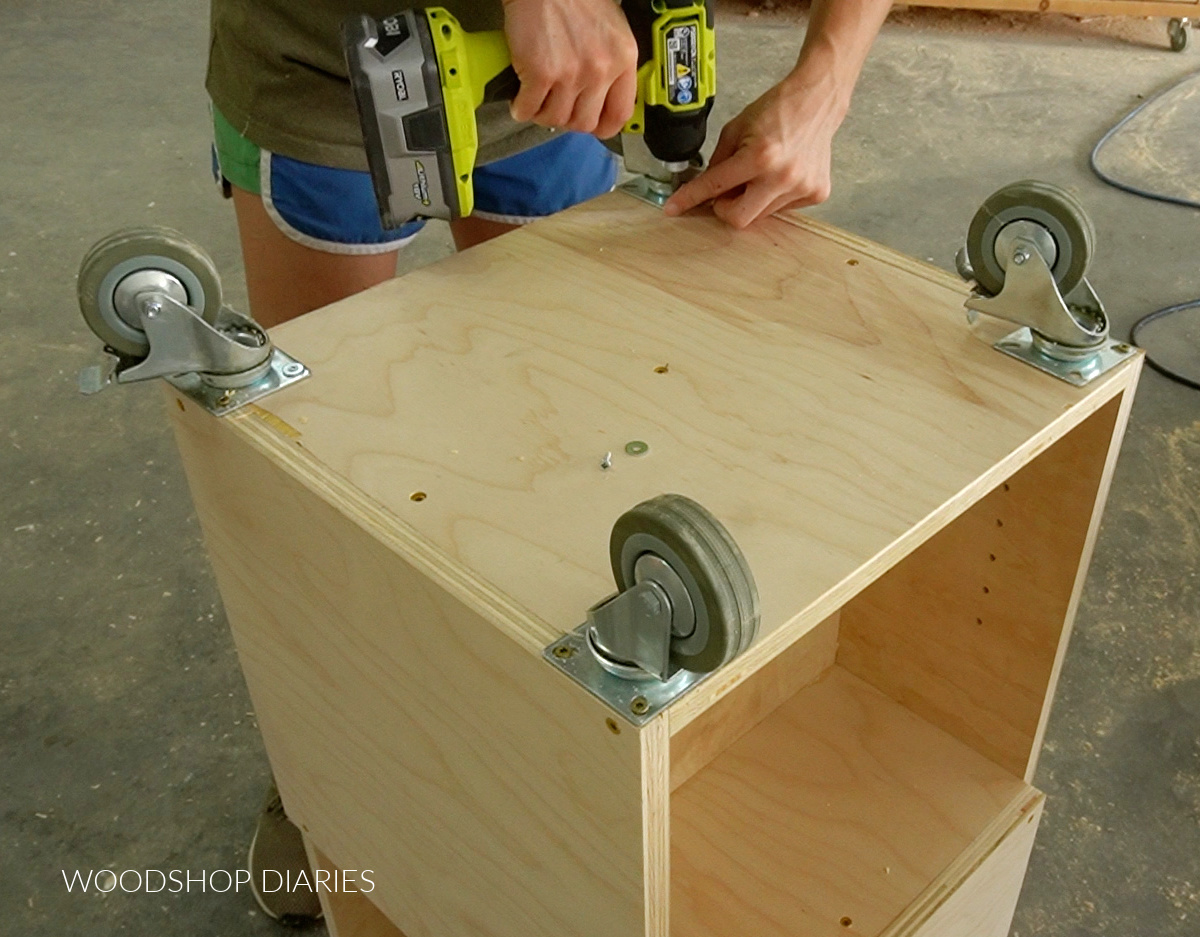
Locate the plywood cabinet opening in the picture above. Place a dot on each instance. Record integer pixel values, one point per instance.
(968, 630)
(873, 778)
(842, 812)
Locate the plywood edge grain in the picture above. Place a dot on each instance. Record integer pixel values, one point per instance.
(656, 826)
(262, 430)
(1110, 465)
(966, 629)
(1121, 380)
(405, 730)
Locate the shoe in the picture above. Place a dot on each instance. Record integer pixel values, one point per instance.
(278, 847)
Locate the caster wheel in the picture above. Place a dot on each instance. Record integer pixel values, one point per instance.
(701, 552)
(1178, 34)
(134, 260)
(1046, 205)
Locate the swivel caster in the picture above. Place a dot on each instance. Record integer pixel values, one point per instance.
(143, 261)
(1177, 33)
(1028, 249)
(686, 605)
(1048, 216)
(154, 299)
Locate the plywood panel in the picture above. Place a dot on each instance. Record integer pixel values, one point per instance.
(983, 902)
(408, 734)
(348, 914)
(842, 805)
(967, 631)
(703, 739)
(819, 394)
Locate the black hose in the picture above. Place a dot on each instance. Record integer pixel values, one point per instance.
(1125, 186)
(1093, 161)
(1161, 368)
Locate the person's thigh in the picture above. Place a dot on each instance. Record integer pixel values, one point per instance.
(310, 234)
(285, 278)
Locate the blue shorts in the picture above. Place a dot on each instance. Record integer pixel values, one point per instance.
(334, 210)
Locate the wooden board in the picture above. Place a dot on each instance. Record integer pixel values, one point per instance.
(968, 630)
(348, 914)
(1075, 7)
(982, 901)
(841, 807)
(739, 711)
(409, 734)
(822, 396)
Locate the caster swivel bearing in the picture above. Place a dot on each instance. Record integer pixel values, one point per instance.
(154, 299)
(1028, 249)
(686, 605)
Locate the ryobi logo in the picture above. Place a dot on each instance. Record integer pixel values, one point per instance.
(400, 85)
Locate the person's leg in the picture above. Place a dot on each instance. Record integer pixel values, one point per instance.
(310, 234)
(285, 278)
(468, 232)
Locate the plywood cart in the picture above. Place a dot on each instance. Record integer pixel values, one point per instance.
(1180, 14)
(400, 538)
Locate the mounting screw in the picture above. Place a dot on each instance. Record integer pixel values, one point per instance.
(225, 398)
(1020, 256)
(292, 369)
(563, 652)
(606, 462)
(639, 706)
(153, 309)
(1122, 348)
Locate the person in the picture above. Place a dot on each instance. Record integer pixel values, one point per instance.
(288, 151)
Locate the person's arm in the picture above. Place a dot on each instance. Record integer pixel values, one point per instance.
(577, 62)
(777, 153)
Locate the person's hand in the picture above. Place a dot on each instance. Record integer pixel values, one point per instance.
(775, 154)
(577, 62)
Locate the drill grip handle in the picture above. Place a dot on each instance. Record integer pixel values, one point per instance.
(502, 87)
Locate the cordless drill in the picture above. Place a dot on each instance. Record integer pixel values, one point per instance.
(418, 78)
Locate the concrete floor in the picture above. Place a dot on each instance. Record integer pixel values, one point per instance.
(126, 737)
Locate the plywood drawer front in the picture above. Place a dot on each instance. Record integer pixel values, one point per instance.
(983, 904)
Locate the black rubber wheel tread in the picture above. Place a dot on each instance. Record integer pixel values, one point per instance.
(1178, 34)
(1006, 205)
(714, 560)
(129, 244)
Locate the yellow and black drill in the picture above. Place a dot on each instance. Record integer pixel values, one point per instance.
(418, 78)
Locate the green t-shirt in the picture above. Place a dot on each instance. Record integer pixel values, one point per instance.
(276, 72)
